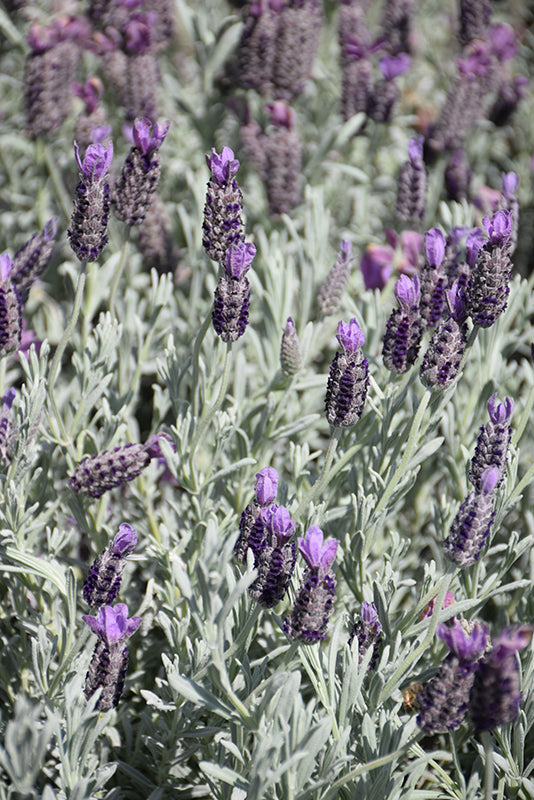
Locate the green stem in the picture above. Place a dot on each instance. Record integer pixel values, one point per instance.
(403, 463)
(196, 354)
(65, 200)
(489, 767)
(323, 478)
(118, 272)
(399, 673)
(210, 412)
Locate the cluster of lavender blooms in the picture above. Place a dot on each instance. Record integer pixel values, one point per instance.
(471, 527)
(109, 662)
(479, 677)
(367, 630)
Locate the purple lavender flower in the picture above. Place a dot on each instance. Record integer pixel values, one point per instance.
(488, 287)
(314, 602)
(458, 176)
(377, 265)
(368, 630)
(252, 66)
(31, 260)
(93, 116)
(510, 203)
(282, 159)
(348, 379)
(332, 290)
(471, 526)
(8, 428)
(496, 695)
(266, 485)
(10, 308)
(404, 329)
(251, 527)
(411, 191)
(441, 362)
(109, 662)
(139, 90)
(274, 556)
(433, 279)
(510, 92)
(397, 22)
(232, 295)
(444, 700)
(103, 580)
(386, 93)
(140, 174)
(299, 29)
(493, 442)
(223, 223)
(290, 355)
(95, 475)
(475, 16)
(356, 68)
(88, 231)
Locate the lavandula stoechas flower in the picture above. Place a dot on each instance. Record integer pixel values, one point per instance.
(404, 330)
(109, 662)
(510, 203)
(331, 292)
(140, 174)
(232, 294)
(142, 75)
(368, 631)
(444, 700)
(10, 308)
(397, 22)
(433, 280)
(493, 441)
(31, 259)
(471, 526)
(296, 45)
(441, 362)
(308, 620)
(348, 379)
(93, 114)
(458, 176)
(385, 94)
(411, 190)
(252, 67)
(402, 253)
(249, 535)
(475, 16)
(496, 694)
(488, 288)
(223, 223)
(95, 475)
(8, 428)
(282, 159)
(448, 600)
(274, 556)
(290, 355)
(356, 68)
(155, 240)
(103, 580)
(88, 230)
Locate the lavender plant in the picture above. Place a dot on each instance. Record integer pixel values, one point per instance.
(269, 530)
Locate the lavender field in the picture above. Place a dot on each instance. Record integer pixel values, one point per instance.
(266, 392)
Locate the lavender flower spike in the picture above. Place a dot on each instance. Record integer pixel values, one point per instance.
(411, 192)
(31, 260)
(471, 526)
(104, 578)
(109, 663)
(404, 328)
(223, 167)
(223, 223)
(10, 308)
(266, 485)
(88, 230)
(139, 178)
(290, 354)
(496, 694)
(274, 556)
(331, 292)
(348, 380)
(98, 474)
(493, 441)
(488, 287)
(232, 295)
(433, 279)
(251, 526)
(368, 631)
(314, 602)
(441, 362)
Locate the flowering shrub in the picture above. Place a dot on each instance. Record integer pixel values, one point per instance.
(266, 327)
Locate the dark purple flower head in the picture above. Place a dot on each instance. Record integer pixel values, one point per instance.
(90, 92)
(111, 624)
(467, 642)
(370, 616)
(377, 265)
(138, 33)
(266, 485)
(316, 553)
(499, 227)
(6, 265)
(149, 142)
(473, 244)
(500, 412)
(350, 336)
(434, 247)
(407, 292)
(276, 520)
(415, 149)
(238, 258)
(124, 541)
(511, 640)
(41, 38)
(394, 66)
(510, 184)
(503, 41)
(281, 115)
(456, 302)
(8, 397)
(478, 62)
(96, 161)
(223, 167)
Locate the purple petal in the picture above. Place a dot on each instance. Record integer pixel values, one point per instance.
(266, 485)
(500, 412)
(489, 480)
(407, 291)
(350, 336)
(277, 520)
(473, 244)
(510, 640)
(499, 227)
(311, 546)
(238, 258)
(415, 149)
(377, 265)
(393, 66)
(510, 184)
(6, 265)
(223, 167)
(435, 247)
(125, 540)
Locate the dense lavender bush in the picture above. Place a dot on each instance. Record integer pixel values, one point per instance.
(265, 499)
